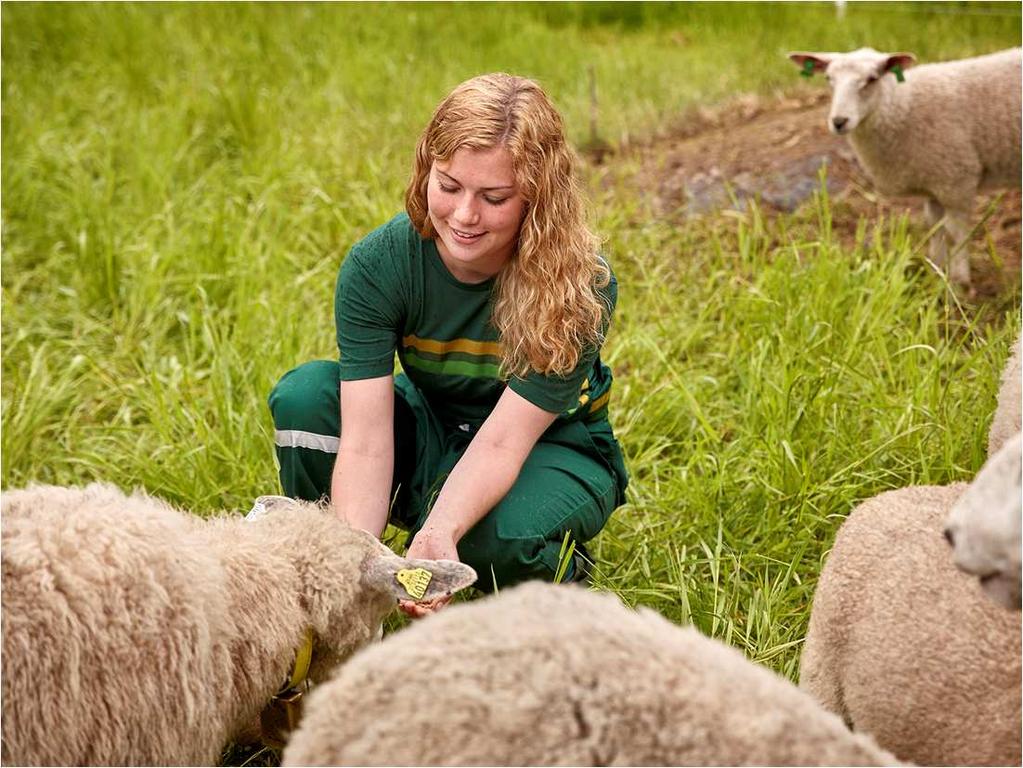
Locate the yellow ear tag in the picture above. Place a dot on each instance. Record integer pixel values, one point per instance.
(415, 581)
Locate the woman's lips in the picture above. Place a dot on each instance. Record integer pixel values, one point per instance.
(465, 238)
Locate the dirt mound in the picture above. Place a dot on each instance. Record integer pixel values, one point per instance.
(773, 151)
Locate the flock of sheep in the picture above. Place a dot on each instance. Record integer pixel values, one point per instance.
(135, 633)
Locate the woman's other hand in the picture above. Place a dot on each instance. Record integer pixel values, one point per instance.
(430, 543)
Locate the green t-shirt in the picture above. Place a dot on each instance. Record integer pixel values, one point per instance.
(394, 294)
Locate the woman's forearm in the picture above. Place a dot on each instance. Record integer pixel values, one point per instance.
(490, 465)
(360, 487)
(479, 480)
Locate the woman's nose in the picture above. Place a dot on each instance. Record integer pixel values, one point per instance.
(467, 211)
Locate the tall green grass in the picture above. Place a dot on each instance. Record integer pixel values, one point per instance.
(180, 183)
(770, 378)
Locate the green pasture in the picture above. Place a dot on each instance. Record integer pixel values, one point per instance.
(180, 183)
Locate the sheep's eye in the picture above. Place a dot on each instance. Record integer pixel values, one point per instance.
(871, 79)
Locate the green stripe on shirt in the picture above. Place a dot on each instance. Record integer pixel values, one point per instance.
(448, 366)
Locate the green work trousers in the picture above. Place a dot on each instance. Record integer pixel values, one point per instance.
(570, 483)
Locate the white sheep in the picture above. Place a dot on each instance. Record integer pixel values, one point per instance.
(1006, 421)
(134, 633)
(949, 130)
(984, 526)
(555, 675)
(904, 646)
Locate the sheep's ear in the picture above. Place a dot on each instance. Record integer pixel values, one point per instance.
(264, 504)
(419, 580)
(809, 63)
(900, 60)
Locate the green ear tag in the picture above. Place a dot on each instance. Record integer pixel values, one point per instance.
(808, 66)
(898, 73)
(415, 581)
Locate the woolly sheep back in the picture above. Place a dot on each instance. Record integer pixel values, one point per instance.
(66, 662)
(905, 647)
(134, 633)
(555, 675)
(1006, 421)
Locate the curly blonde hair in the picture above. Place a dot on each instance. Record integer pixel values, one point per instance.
(546, 306)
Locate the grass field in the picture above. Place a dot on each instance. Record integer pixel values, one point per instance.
(180, 183)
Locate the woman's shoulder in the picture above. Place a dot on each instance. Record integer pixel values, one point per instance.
(395, 239)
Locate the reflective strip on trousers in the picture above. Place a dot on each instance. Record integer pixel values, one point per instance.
(297, 438)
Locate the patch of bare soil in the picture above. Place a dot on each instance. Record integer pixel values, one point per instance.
(773, 150)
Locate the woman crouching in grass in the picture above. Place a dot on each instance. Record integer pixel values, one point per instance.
(493, 442)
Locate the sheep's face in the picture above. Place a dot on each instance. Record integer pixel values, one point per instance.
(855, 79)
(354, 614)
(348, 580)
(984, 526)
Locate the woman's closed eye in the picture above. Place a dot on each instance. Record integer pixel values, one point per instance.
(492, 196)
(495, 201)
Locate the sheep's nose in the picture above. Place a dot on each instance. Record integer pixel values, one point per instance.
(839, 122)
(950, 537)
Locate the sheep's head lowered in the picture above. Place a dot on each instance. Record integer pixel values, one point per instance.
(984, 526)
(855, 80)
(351, 581)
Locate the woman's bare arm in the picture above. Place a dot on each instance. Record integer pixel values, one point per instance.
(360, 487)
(490, 465)
(480, 479)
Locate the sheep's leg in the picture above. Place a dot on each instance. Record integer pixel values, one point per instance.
(937, 247)
(957, 222)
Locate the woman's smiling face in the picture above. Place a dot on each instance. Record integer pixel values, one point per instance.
(476, 209)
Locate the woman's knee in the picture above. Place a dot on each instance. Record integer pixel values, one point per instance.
(304, 395)
(501, 562)
(514, 544)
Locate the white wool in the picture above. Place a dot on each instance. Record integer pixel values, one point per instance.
(547, 674)
(135, 634)
(906, 647)
(946, 132)
(1006, 421)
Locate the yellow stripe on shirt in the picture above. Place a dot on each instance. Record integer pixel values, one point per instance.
(600, 402)
(467, 346)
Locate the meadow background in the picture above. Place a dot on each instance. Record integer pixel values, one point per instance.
(180, 183)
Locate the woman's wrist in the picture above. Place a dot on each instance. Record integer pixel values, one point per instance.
(440, 525)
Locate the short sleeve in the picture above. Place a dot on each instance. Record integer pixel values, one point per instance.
(368, 314)
(556, 394)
